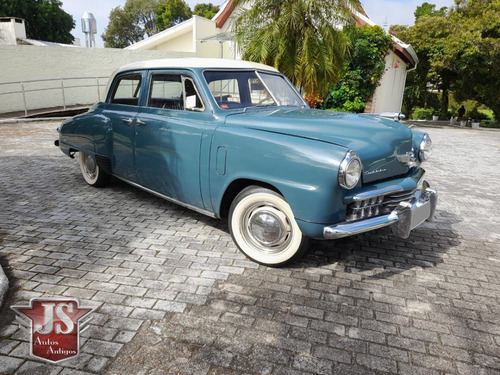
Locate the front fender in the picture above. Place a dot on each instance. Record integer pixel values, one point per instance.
(303, 170)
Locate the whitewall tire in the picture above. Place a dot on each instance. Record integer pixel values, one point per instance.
(263, 227)
(91, 171)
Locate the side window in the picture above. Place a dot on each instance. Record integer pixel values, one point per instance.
(127, 90)
(173, 91)
(166, 92)
(225, 92)
(193, 101)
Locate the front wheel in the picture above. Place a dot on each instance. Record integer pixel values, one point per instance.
(263, 227)
(91, 172)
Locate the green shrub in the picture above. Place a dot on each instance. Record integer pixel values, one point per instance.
(476, 114)
(423, 113)
(491, 125)
(362, 72)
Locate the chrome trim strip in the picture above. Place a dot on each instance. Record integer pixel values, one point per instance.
(405, 158)
(351, 229)
(376, 193)
(194, 208)
(394, 115)
(383, 191)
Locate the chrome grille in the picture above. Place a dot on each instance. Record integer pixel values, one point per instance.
(392, 200)
(376, 206)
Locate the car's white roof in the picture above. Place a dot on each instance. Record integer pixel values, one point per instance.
(194, 63)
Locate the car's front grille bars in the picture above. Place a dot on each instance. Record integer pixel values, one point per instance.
(376, 206)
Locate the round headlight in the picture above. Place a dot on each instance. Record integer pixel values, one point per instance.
(425, 148)
(350, 170)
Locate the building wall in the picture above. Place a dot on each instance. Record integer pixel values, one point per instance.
(26, 63)
(183, 42)
(388, 96)
(230, 49)
(203, 28)
(188, 36)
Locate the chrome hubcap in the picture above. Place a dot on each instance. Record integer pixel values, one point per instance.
(267, 226)
(89, 166)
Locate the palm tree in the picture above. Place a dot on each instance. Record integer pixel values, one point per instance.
(301, 38)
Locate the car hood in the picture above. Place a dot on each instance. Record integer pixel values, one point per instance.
(375, 139)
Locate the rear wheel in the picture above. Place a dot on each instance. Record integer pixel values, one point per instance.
(91, 171)
(263, 227)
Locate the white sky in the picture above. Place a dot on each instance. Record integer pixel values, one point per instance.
(399, 12)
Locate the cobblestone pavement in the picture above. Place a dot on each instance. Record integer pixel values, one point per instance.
(173, 294)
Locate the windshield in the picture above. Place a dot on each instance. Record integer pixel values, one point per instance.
(242, 89)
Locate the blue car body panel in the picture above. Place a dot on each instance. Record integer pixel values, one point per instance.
(194, 157)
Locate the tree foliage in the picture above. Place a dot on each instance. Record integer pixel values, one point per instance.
(45, 19)
(434, 40)
(301, 38)
(458, 52)
(144, 13)
(172, 12)
(363, 70)
(122, 30)
(131, 23)
(207, 10)
(427, 9)
(478, 65)
(139, 19)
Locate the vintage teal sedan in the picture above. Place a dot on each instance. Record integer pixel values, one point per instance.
(234, 139)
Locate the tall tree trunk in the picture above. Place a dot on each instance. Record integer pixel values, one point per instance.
(496, 113)
(444, 103)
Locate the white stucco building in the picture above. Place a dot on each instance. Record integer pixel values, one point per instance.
(11, 29)
(400, 60)
(13, 32)
(212, 38)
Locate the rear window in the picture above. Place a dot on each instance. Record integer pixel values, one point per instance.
(127, 90)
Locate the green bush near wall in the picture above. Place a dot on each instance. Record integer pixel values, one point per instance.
(423, 113)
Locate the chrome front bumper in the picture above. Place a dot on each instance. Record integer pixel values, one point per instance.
(405, 217)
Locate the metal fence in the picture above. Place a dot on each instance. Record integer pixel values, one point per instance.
(62, 85)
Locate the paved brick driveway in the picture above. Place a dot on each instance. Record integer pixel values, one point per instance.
(175, 296)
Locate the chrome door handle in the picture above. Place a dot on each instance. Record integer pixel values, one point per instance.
(140, 123)
(128, 121)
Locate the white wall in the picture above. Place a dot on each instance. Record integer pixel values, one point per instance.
(25, 63)
(183, 42)
(230, 49)
(203, 28)
(388, 96)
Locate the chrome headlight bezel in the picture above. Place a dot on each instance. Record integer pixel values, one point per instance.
(350, 170)
(425, 148)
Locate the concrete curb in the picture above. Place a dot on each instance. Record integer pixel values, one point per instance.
(4, 285)
(19, 120)
(441, 124)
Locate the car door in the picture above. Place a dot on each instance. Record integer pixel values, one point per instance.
(169, 134)
(121, 110)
